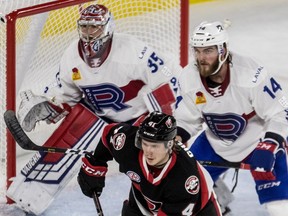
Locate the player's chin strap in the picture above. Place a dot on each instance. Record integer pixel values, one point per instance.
(221, 62)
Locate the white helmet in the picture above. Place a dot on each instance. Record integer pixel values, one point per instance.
(210, 34)
(95, 28)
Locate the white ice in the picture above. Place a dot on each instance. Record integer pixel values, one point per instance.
(259, 29)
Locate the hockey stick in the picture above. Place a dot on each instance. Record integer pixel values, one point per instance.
(26, 143)
(97, 204)
(226, 164)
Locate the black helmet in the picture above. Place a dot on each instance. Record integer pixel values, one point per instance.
(157, 127)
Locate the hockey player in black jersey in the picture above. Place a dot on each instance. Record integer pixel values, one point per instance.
(166, 179)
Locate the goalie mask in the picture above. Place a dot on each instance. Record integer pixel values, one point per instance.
(157, 127)
(211, 34)
(95, 28)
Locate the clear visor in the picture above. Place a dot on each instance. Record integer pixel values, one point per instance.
(90, 30)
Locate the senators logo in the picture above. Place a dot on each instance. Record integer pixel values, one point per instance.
(192, 185)
(119, 141)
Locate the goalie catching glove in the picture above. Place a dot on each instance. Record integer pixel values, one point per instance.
(91, 177)
(263, 158)
(34, 108)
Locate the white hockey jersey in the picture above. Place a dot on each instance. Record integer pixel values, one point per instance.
(237, 113)
(120, 89)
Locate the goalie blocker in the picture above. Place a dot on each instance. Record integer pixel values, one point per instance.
(46, 174)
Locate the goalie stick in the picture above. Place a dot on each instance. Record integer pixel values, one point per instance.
(25, 142)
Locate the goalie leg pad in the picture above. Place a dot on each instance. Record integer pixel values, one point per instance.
(46, 174)
(72, 129)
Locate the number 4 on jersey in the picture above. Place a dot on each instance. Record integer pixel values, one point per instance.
(274, 87)
(188, 210)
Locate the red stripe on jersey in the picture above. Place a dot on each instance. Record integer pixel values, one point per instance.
(166, 169)
(216, 205)
(249, 115)
(205, 193)
(161, 213)
(131, 89)
(137, 186)
(106, 130)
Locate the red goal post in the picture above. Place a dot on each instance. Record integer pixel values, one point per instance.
(33, 37)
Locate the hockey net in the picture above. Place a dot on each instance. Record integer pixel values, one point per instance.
(43, 29)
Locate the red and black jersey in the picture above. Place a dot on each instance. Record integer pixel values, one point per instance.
(182, 187)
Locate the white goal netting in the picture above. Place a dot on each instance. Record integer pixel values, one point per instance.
(41, 37)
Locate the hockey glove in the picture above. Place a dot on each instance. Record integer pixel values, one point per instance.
(91, 177)
(35, 108)
(264, 156)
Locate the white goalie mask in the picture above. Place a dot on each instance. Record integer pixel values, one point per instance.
(95, 28)
(211, 34)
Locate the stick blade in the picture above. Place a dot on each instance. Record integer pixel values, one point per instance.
(16, 130)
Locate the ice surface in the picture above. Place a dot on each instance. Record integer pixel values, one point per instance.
(259, 29)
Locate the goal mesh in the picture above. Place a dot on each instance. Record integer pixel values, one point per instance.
(43, 29)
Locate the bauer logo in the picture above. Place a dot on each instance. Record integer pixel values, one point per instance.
(192, 185)
(133, 176)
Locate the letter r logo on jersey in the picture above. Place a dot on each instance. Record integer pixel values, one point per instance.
(226, 126)
(105, 96)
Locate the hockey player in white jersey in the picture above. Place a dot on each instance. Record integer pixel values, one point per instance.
(245, 111)
(116, 76)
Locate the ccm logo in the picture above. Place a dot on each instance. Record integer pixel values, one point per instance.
(96, 171)
(266, 146)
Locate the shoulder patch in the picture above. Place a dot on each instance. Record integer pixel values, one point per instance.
(76, 75)
(118, 141)
(192, 185)
(200, 98)
(133, 176)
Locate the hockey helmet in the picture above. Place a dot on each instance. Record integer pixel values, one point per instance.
(210, 34)
(157, 127)
(95, 27)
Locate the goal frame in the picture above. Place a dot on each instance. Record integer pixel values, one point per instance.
(11, 19)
